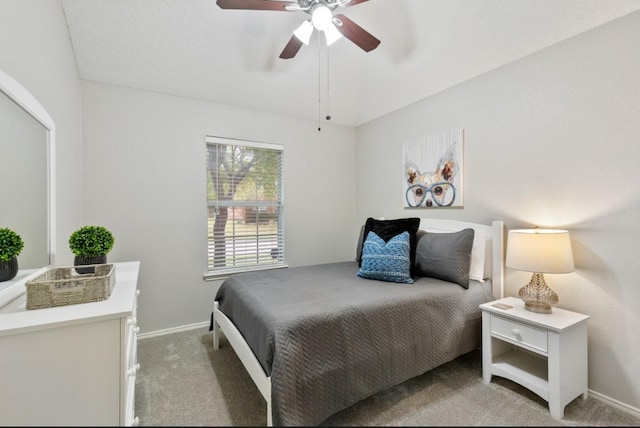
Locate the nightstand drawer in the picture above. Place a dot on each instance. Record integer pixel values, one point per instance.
(523, 334)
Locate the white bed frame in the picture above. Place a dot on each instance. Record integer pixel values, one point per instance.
(494, 269)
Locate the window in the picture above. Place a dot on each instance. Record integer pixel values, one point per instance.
(245, 206)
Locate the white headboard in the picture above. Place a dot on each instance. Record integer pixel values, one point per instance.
(494, 246)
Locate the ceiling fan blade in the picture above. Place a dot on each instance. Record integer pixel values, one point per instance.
(357, 34)
(292, 48)
(255, 4)
(354, 2)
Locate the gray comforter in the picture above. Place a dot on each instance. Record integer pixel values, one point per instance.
(329, 338)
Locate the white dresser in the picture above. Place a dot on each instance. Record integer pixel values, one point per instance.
(71, 365)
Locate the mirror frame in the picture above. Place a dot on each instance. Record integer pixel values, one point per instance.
(23, 98)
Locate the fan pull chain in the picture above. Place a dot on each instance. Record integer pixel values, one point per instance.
(319, 85)
(328, 115)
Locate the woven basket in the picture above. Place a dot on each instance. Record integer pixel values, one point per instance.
(65, 286)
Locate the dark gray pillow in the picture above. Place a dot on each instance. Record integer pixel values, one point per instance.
(445, 256)
(359, 245)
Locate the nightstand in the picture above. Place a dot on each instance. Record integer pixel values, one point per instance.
(546, 353)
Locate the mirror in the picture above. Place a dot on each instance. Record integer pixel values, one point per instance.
(27, 136)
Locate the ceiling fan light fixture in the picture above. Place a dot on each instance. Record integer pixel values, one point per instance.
(321, 17)
(303, 32)
(332, 34)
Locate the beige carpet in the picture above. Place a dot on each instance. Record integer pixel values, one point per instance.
(183, 382)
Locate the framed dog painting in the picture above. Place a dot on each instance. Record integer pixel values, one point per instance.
(432, 171)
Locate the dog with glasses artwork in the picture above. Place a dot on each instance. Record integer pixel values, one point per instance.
(432, 186)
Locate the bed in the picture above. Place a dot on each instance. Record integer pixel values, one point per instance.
(317, 339)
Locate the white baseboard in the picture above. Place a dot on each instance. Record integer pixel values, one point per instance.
(610, 401)
(173, 330)
(615, 403)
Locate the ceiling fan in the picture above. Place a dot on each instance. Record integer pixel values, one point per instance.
(322, 19)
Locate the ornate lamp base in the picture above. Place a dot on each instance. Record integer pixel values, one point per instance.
(537, 296)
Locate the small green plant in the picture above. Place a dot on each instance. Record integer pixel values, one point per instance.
(11, 244)
(91, 241)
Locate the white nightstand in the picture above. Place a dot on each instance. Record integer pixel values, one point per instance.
(546, 353)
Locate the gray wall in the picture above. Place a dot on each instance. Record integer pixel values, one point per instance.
(551, 140)
(145, 179)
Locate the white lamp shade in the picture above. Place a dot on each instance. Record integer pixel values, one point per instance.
(331, 34)
(540, 251)
(303, 32)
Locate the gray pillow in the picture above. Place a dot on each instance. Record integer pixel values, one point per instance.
(445, 256)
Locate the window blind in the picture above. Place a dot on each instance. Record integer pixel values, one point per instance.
(245, 205)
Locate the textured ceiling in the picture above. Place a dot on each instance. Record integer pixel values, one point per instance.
(192, 48)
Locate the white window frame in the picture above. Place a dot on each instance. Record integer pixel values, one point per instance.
(239, 240)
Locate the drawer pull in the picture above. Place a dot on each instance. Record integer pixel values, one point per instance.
(132, 372)
(516, 332)
(136, 421)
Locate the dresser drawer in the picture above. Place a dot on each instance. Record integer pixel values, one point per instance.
(522, 334)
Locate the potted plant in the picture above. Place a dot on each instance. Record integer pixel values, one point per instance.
(90, 246)
(11, 245)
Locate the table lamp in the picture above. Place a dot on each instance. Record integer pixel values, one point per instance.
(539, 251)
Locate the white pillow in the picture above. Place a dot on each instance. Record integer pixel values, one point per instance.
(476, 270)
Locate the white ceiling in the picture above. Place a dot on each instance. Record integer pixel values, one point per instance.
(192, 48)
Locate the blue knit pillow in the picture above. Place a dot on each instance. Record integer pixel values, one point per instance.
(386, 261)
